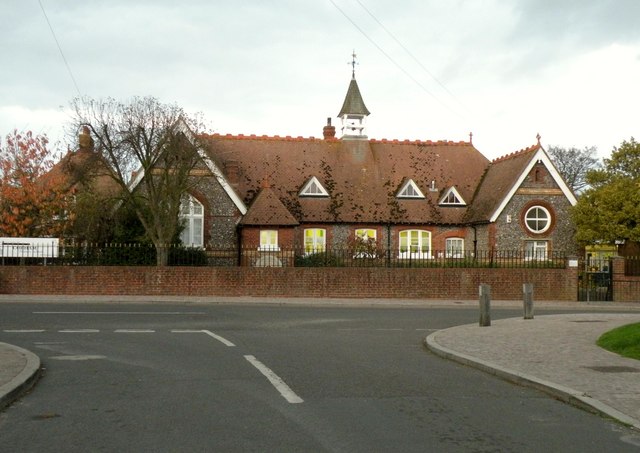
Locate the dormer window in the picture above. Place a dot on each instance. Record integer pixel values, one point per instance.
(452, 198)
(410, 190)
(313, 188)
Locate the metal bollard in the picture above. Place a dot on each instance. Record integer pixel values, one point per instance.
(527, 290)
(485, 305)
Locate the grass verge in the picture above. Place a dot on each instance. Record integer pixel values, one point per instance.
(624, 340)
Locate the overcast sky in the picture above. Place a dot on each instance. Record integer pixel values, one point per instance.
(505, 70)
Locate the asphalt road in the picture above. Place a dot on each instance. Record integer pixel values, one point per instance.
(250, 378)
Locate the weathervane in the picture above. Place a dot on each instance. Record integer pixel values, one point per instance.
(353, 64)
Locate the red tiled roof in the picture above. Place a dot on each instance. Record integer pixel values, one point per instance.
(500, 177)
(82, 167)
(267, 209)
(361, 176)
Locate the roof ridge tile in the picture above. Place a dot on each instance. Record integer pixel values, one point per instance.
(516, 153)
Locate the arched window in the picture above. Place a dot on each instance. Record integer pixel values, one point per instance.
(537, 219)
(192, 218)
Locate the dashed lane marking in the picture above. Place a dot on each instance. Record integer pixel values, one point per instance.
(119, 313)
(79, 331)
(134, 331)
(24, 331)
(78, 357)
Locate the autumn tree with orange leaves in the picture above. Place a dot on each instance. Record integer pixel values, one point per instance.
(33, 203)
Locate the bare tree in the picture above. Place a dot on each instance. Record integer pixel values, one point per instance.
(151, 149)
(574, 164)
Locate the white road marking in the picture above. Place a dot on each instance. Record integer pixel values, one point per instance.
(275, 380)
(79, 331)
(24, 331)
(118, 313)
(208, 332)
(134, 331)
(222, 340)
(78, 357)
(389, 330)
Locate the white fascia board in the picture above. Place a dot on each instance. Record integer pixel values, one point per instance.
(540, 155)
(210, 165)
(213, 168)
(136, 180)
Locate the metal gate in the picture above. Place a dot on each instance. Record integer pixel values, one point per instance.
(594, 280)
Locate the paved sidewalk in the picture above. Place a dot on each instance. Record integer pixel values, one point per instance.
(19, 370)
(555, 353)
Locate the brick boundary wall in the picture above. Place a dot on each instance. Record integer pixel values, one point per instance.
(625, 288)
(449, 283)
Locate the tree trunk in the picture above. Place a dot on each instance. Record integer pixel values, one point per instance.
(162, 255)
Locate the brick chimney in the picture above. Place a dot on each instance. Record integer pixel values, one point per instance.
(329, 131)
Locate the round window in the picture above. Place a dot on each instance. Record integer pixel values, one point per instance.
(537, 219)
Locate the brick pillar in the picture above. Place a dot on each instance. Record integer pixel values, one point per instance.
(617, 275)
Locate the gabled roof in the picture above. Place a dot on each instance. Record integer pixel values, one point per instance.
(353, 103)
(361, 177)
(213, 168)
(499, 180)
(267, 209)
(81, 168)
(503, 178)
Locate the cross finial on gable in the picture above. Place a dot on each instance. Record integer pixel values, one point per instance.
(538, 137)
(471, 138)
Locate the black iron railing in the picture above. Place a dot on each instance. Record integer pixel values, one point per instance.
(145, 255)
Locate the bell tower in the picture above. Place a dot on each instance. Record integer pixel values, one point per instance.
(353, 112)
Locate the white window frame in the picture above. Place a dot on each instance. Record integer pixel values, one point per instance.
(536, 250)
(269, 240)
(454, 252)
(366, 235)
(412, 244)
(407, 187)
(192, 214)
(315, 240)
(533, 215)
(313, 188)
(452, 193)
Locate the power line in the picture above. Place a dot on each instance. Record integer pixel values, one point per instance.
(73, 79)
(411, 54)
(395, 63)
